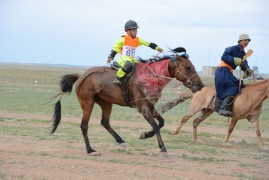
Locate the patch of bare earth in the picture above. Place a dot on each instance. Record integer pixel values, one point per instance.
(25, 157)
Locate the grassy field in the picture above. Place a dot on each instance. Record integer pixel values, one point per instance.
(25, 122)
(18, 94)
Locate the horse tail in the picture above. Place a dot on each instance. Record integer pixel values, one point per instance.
(66, 85)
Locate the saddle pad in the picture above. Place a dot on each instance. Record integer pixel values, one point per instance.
(153, 77)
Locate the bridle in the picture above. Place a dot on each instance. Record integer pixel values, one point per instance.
(188, 82)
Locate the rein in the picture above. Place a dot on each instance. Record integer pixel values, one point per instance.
(158, 74)
(188, 83)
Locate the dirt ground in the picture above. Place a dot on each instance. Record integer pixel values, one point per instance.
(26, 157)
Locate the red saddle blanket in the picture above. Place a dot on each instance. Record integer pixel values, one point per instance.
(153, 77)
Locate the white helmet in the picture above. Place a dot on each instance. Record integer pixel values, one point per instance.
(244, 37)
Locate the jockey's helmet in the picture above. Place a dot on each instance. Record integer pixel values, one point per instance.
(130, 25)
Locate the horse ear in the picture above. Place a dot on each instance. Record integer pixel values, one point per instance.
(179, 50)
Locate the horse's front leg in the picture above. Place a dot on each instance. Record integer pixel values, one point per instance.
(258, 132)
(183, 120)
(204, 114)
(230, 130)
(151, 133)
(147, 112)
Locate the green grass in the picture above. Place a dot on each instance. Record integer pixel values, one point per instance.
(18, 95)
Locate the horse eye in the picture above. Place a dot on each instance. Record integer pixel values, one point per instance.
(188, 68)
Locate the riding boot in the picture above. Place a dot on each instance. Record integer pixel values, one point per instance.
(218, 103)
(226, 108)
(118, 81)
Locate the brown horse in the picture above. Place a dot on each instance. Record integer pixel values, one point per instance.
(96, 86)
(246, 106)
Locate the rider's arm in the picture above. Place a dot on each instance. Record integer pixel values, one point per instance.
(145, 43)
(117, 48)
(227, 56)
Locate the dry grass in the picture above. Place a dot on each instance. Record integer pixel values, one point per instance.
(27, 151)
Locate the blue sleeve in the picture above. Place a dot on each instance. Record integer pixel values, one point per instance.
(228, 56)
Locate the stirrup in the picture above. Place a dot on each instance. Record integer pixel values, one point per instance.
(226, 113)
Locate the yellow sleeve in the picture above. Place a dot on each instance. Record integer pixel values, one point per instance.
(119, 44)
(145, 43)
(142, 42)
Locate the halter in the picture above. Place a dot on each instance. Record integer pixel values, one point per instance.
(188, 81)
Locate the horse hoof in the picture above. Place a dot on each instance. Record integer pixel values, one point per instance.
(227, 144)
(142, 135)
(123, 145)
(164, 154)
(198, 141)
(94, 154)
(264, 148)
(173, 132)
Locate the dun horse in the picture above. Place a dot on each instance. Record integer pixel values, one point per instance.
(246, 106)
(96, 86)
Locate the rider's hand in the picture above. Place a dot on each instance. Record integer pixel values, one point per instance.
(109, 59)
(160, 49)
(247, 73)
(150, 61)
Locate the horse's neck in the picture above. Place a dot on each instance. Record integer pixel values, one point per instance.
(153, 77)
(255, 93)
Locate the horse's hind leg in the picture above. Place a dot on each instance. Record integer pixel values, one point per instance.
(151, 133)
(205, 113)
(183, 120)
(87, 110)
(106, 111)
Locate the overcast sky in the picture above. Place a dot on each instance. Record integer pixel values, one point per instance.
(83, 32)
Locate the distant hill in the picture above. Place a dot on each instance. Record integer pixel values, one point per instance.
(42, 64)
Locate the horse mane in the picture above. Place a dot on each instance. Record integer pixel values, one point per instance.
(256, 83)
(174, 52)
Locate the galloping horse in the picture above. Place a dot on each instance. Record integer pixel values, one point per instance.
(96, 86)
(246, 106)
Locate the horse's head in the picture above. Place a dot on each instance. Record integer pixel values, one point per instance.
(183, 70)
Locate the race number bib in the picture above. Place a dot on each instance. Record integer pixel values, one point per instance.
(128, 51)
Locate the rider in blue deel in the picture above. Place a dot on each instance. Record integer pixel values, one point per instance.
(227, 85)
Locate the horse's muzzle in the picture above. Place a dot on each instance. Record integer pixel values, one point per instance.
(196, 87)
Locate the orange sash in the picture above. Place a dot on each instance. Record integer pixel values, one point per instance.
(224, 64)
